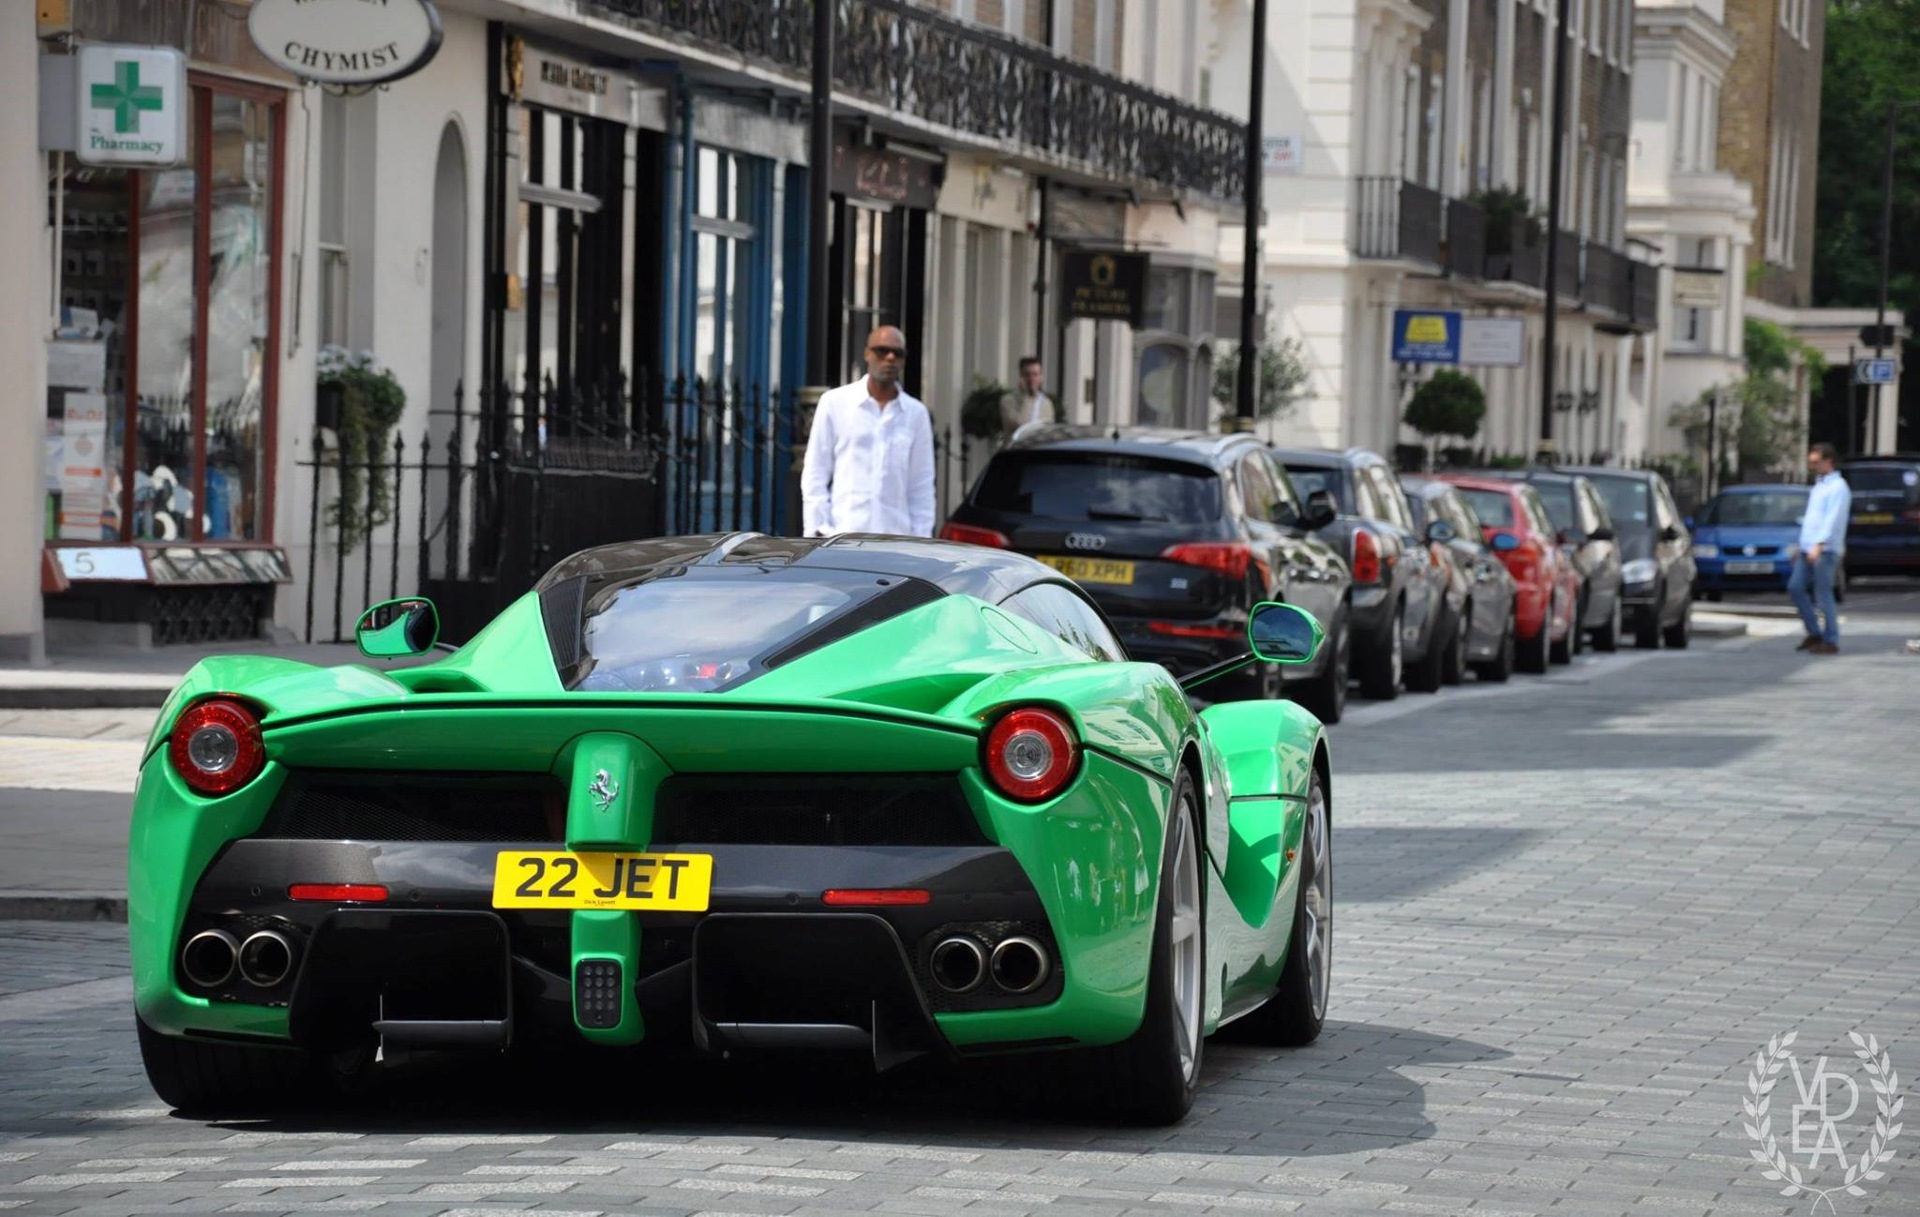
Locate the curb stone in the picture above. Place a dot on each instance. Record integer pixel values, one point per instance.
(63, 906)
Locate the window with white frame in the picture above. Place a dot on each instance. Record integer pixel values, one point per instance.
(1677, 130)
(332, 244)
(1783, 196)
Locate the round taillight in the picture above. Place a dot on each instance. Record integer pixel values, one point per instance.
(1032, 754)
(215, 747)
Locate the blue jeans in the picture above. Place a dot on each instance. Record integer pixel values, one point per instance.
(1812, 583)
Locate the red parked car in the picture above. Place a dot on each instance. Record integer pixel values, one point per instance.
(1546, 587)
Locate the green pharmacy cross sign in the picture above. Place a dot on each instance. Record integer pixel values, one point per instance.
(130, 103)
(126, 96)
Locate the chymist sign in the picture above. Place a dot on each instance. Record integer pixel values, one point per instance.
(132, 105)
(346, 42)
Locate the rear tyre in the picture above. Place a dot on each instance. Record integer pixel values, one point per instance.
(1326, 695)
(1382, 667)
(1607, 637)
(1500, 667)
(1152, 1077)
(1453, 665)
(204, 1075)
(1646, 631)
(1564, 650)
(1298, 1008)
(1680, 633)
(1425, 676)
(1534, 652)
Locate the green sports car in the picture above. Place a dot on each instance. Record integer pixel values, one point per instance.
(733, 794)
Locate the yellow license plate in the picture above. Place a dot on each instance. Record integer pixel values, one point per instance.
(1874, 517)
(595, 880)
(1091, 570)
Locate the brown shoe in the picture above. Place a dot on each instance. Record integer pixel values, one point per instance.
(1808, 643)
(1823, 648)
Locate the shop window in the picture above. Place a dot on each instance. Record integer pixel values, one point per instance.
(331, 195)
(1162, 398)
(724, 236)
(160, 388)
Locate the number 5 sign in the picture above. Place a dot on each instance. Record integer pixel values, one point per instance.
(103, 562)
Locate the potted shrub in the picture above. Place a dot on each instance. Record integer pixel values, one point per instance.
(360, 401)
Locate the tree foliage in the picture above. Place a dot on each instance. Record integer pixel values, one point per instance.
(1448, 403)
(1872, 60)
(1281, 381)
(1756, 424)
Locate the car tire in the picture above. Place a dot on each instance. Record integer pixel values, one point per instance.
(1536, 652)
(1326, 694)
(1382, 667)
(1680, 633)
(1564, 650)
(1713, 595)
(1426, 675)
(1500, 667)
(1297, 1011)
(1607, 637)
(1151, 1077)
(206, 1075)
(1646, 631)
(1453, 665)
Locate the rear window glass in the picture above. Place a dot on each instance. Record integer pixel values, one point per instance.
(1307, 479)
(1558, 496)
(700, 630)
(1494, 507)
(1769, 507)
(1628, 500)
(1883, 477)
(1100, 487)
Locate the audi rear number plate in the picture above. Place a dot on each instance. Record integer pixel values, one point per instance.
(1090, 570)
(597, 880)
(1749, 568)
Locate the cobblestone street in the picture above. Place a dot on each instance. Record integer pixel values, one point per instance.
(1569, 913)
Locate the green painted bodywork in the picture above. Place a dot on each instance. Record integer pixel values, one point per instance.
(911, 694)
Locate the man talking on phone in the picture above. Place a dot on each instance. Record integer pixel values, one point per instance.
(869, 464)
(1823, 539)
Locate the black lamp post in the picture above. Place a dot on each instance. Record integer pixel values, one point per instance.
(1557, 127)
(1886, 254)
(1250, 255)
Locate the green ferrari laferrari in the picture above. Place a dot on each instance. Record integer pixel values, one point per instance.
(734, 794)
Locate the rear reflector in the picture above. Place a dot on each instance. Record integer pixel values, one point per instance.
(875, 896)
(1195, 631)
(337, 891)
(974, 536)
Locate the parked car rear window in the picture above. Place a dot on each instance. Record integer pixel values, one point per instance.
(1494, 507)
(1627, 499)
(1883, 477)
(1558, 496)
(1769, 507)
(1306, 479)
(1100, 486)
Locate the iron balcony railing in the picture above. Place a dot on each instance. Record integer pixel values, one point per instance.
(1465, 254)
(1397, 219)
(1606, 284)
(1569, 268)
(1644, 289)
(1518, 255)
(900, 57)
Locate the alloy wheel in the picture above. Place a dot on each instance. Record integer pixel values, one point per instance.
(1184, 940)
(1318, 901)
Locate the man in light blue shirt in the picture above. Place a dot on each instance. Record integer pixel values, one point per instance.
(1823, 539)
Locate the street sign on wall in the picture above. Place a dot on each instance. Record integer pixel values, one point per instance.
(1699, 287)
(1874, 372)
(1281, 154)
(1492, 342)
(1426, 336)
(346, 42)
(130, 105)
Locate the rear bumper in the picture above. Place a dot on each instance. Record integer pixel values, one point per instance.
(1711, 575)
(1892, 553)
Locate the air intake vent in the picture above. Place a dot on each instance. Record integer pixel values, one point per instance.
(814, 809)
(417, 807)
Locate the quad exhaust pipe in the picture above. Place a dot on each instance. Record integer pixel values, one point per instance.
(958, 964)
(1019, 965)
(266, 959)
(208, 958)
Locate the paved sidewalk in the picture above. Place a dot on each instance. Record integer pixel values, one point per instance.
(121, 677)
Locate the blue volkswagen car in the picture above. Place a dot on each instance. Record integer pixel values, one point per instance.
(1746, 537)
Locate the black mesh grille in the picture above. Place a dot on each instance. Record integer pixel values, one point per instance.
(403, 807)
(812, 809)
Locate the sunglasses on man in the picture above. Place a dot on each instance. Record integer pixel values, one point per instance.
(887, 352)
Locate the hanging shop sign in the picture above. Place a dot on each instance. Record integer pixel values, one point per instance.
(1426, 336)
(1699, 287)
(1492, 342)
(130, 105)
(346, 42)
(882, 175)
(1103, 286)
(535, 76)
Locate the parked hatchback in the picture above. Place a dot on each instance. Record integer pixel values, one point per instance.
(1883, 530)
(1584, 528)
(1516, 526)
(1656, 554)
(1399, 591)
(1176, 535)
(1480, 592)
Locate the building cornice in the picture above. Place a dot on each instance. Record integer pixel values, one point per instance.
(1668, 29)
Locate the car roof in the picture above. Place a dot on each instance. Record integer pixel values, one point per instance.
(1202, 447)
(1481, 481)
(1425, 486)
(1761, 487)
(1329, 458)
(1606, 471)
(954, 567)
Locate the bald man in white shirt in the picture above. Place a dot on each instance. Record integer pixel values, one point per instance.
(869, 465)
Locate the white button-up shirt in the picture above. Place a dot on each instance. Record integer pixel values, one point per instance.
(869, 466)
(1826, 520)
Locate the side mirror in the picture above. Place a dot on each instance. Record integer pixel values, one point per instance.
(394, 629)
(1601, 534)
(1441, 532)
(1320, 510)
(1504, 542)
(1281, 633)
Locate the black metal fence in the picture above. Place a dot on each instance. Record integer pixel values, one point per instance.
(475, 508)
(1397, 219)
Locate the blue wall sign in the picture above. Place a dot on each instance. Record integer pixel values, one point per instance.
(1424, 335)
